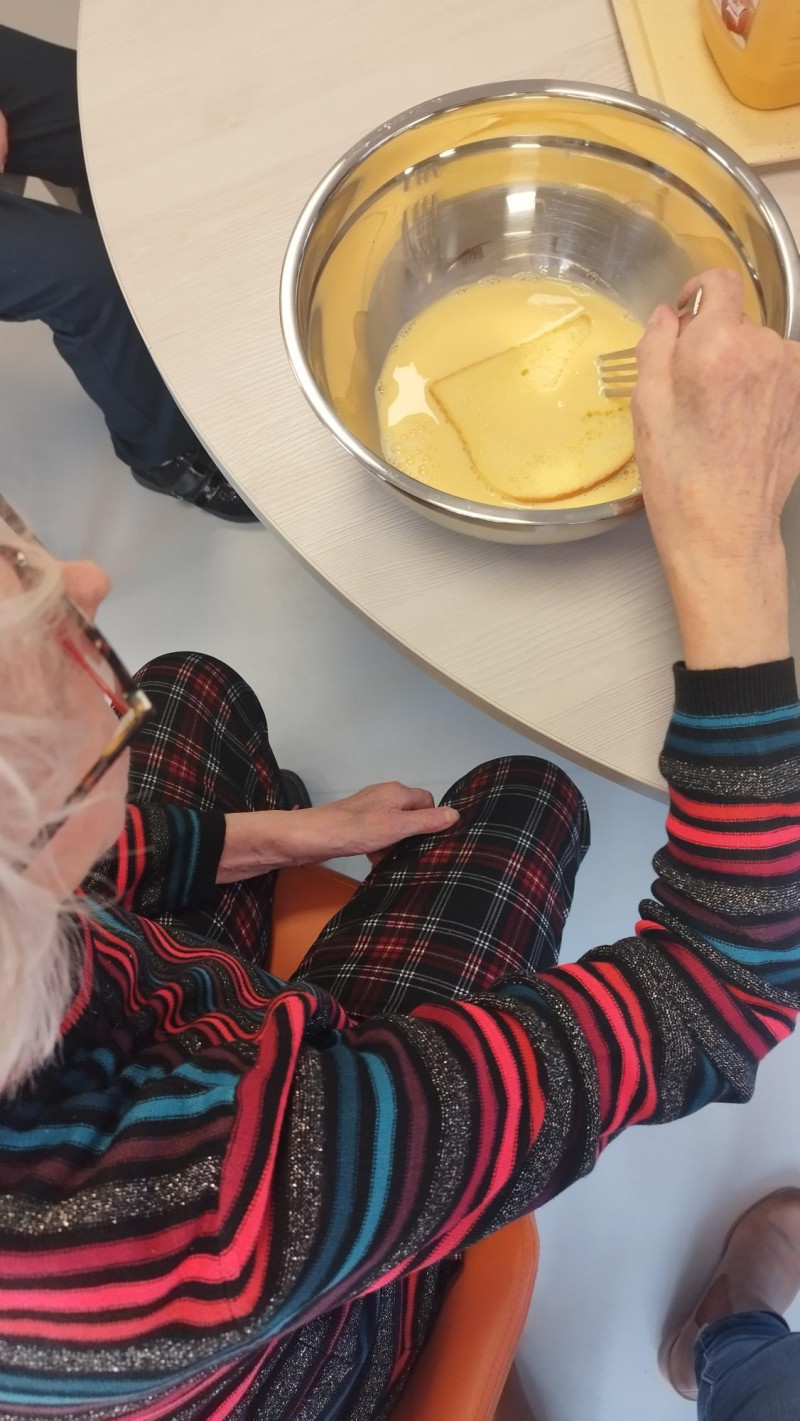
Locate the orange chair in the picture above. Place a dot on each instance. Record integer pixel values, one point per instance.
(464, 1368)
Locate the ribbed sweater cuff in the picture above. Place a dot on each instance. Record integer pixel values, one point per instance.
(736, 690)
(212, 842)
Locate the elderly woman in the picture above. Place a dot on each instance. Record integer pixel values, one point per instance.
(223, 1195)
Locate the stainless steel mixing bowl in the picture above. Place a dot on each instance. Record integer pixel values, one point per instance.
(562, 180)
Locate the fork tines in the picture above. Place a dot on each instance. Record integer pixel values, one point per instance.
(617, 373)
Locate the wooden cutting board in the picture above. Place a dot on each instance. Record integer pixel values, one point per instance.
(671, 63)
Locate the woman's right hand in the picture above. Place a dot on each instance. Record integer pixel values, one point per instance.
(717, 423)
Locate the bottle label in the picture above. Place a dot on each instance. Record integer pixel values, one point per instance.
(737, 16)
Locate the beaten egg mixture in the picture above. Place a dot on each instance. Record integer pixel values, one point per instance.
(491, 393)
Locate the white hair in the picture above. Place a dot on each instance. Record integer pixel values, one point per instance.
(38, 957)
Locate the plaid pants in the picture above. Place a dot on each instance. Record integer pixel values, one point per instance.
(441, 916)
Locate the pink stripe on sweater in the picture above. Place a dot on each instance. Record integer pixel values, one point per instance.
(699, 809)
(560, 979)
(756, 868)
(724, 839)
(642, 1038)
(721, 998)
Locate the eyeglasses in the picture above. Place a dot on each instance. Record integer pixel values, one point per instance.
(117, 685)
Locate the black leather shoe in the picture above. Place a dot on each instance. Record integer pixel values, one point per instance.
(195, 478)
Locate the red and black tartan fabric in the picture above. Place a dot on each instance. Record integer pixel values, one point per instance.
(442, 916)
(207, 749)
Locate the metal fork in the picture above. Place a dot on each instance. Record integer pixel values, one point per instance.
(617, 370)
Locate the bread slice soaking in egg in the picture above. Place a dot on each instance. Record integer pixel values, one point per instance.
(532, 419)
(491, 393)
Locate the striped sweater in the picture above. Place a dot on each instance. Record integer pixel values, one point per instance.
(226, 1200)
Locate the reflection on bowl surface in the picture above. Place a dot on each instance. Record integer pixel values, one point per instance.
(605, 190)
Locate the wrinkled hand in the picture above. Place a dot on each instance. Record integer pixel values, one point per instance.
(3, 141)
(370, 822)
(717, 423)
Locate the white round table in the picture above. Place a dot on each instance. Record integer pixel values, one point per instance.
(206, 126)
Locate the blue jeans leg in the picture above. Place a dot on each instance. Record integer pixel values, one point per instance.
(748, 1369)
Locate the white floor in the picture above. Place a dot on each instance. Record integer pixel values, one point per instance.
(619, 1249)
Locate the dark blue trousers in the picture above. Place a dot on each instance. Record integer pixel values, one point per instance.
(53, 264)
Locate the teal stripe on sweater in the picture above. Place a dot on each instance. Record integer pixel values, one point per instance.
(752, 745)
(219, 1088)
(386, 1113)
(737, 722)
(754, 956)
(18, 1388)
(342, 1188)
(186, 824)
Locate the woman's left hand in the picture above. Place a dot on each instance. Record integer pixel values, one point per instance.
(370, 822)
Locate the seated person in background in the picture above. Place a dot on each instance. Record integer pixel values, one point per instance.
(54, 268)
(736, 1353)
(224, 1195)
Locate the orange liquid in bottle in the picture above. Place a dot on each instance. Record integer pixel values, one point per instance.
(756, 45)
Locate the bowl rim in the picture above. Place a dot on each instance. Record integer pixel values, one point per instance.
(486, 514)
